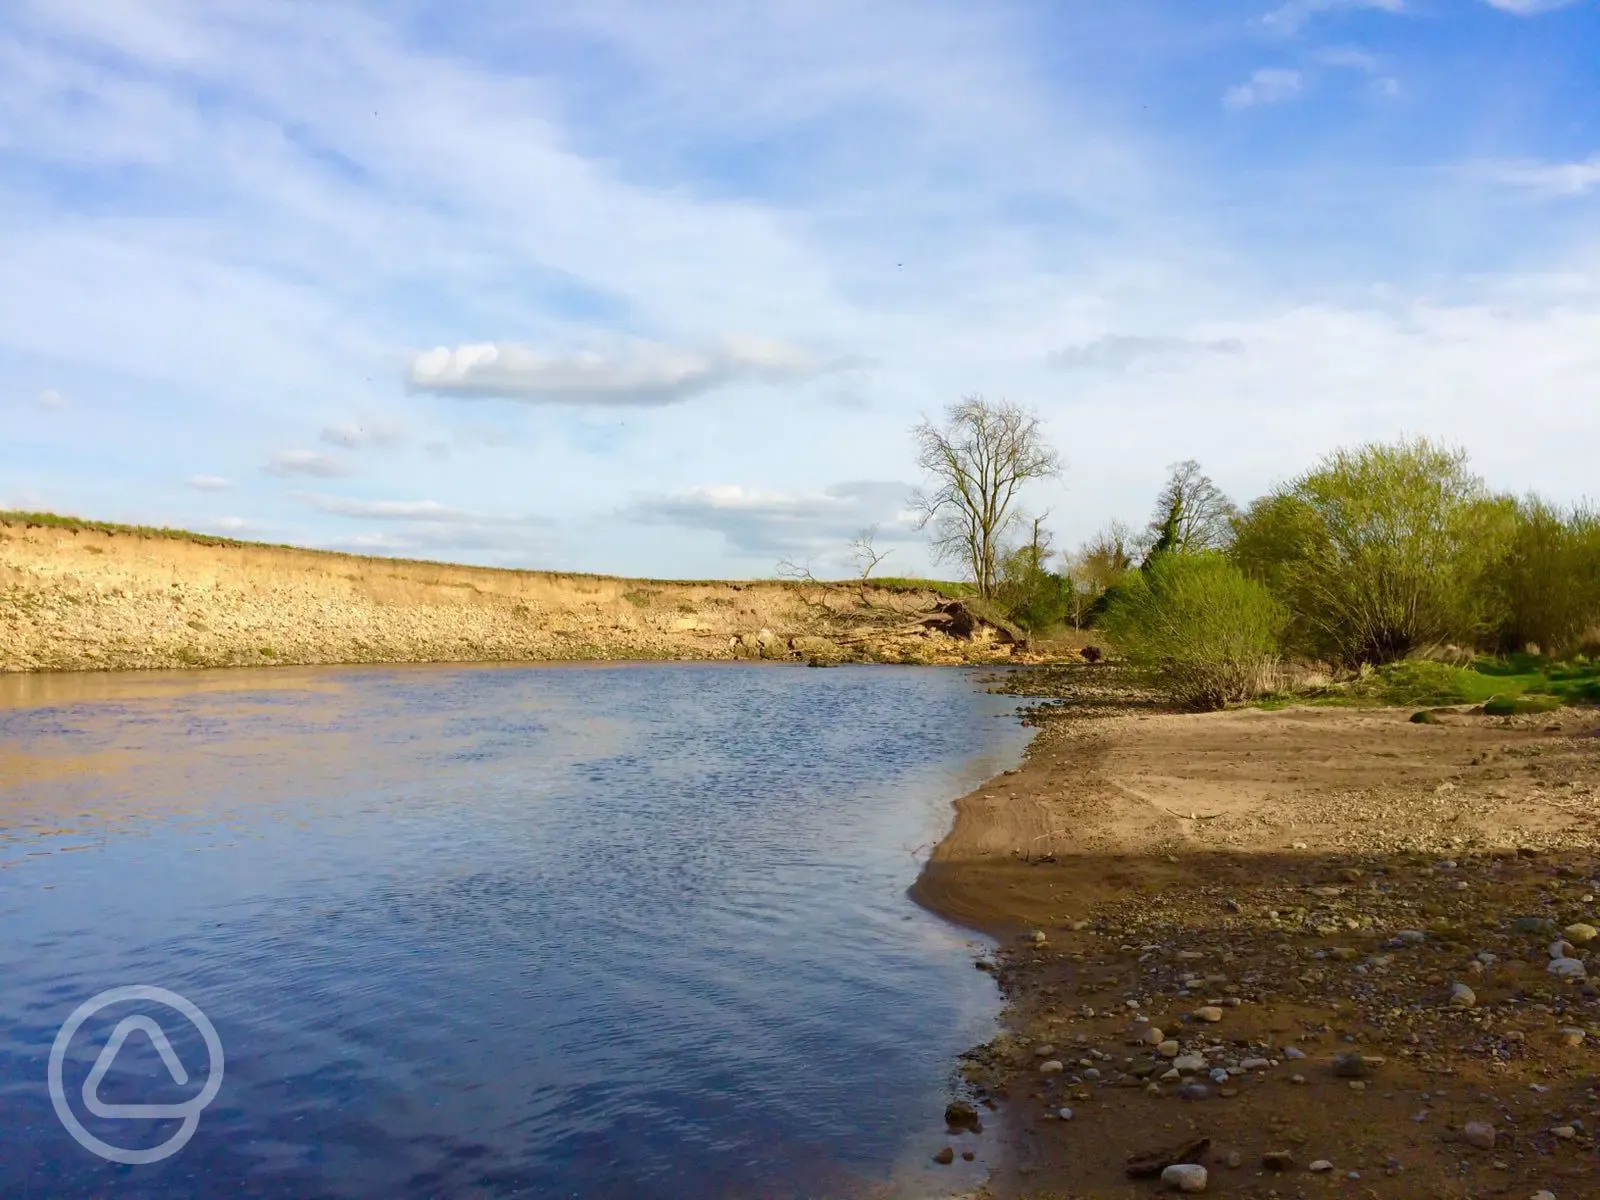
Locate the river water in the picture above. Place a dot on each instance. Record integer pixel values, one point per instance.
(630, 931)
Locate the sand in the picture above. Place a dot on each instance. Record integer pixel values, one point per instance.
(1319, 879)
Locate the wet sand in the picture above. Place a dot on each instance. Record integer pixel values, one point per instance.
(1274, 890)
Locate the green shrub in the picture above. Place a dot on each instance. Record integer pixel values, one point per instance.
(1208, 633)
(1378, 552)
(1510, 706)
(1547, 584)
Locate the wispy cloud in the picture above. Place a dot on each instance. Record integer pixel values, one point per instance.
(640, 373)
(1127, 352)
(1290, 18)
(1529, 8)
(759, 521)
(209, 483)
(1347, 57)
(306, 462)
(1269, 85)
(373, 431)
(388, 510)
(50, 398)
(1545, 178)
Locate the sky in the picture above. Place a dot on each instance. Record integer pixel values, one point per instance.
(661, 289)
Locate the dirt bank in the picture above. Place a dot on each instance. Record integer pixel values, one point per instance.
(1271, 891)
(98, 599)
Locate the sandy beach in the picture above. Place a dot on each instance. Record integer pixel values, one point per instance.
(1307, 949)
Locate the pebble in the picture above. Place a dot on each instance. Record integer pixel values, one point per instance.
(1064, 1113)
(1582, 933)
(1044, 1051)
(1354, 1066)
(1479, 1134)
(1561, 949)
(1039, 937)
(1194, 1091)
(1567, 968)
(1184, 1177)
(1190, 1062)
(1051, 1067)
(1291, 1053)
(1209, 1014)
(1565, 1132)
(1461, 996)
(1320, 1166)
(1541, 1194)
(1234, 1159)
(1571, 1036)
(1278, 1160)
(1152, 1036)
(1168, 1049)
(945, 1157)
(1255, 1064)
(1411, 937)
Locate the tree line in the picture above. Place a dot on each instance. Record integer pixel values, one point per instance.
(1373, 554)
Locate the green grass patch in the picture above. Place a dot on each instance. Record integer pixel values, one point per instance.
(1519, 683)
(949, 588)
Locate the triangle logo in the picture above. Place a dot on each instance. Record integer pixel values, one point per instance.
(108, 1055)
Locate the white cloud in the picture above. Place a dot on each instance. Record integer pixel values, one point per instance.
(370, 431)
(1269, 85)
(640, 373)
(1290, 18)
(1348, 57)
(389, 510)
(1387, 86)
(209, 483)
(305, 462)
(1546, 178)
(762, 521)
(1529, 8)
(50, 398)
(1128, 352)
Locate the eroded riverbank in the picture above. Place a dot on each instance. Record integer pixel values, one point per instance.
(1339, 921)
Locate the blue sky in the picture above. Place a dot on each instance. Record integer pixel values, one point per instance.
(660, 289)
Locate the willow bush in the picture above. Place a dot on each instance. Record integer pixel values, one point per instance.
(1209, 633)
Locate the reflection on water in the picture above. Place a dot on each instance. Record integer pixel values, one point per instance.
(629, 931)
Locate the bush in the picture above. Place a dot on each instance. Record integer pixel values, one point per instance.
(1209, 633)
(1547, 585)
(1379, 551)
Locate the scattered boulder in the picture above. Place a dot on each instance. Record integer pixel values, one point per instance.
(961, 1115)
(1568, 968)
(1184, 1177)
(1479, 1135)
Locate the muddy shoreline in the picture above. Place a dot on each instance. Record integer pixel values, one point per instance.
(1339, 921)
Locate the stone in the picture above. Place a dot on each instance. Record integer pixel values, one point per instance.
(1038, 937)
(1255, 1064)
(1562, 949)
(1051, 1066)
(961, 1115)
(1571, 1036)
(1292, 1054)
(1479, 1135)
(1152, 1036)
(1234, 1159)
(1044, 1051)
(1209, 1014)
(1168, 1049)
(1194, 1091)
(1461, 996)
(1541, 1194)
(1565, 1132)
(1320, 1166)
(1581, 933)
(1533, 925)
(1277, 1160)
(1184, 1177)
(945, 1157)
(1411, 937)
(1351, 1065)
(1064, 1114)
(1188, 1063)
(1568, 968)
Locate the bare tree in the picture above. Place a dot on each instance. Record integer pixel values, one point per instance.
(862, 551)
(1191, 513)
(795, 572)
(980, 458)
